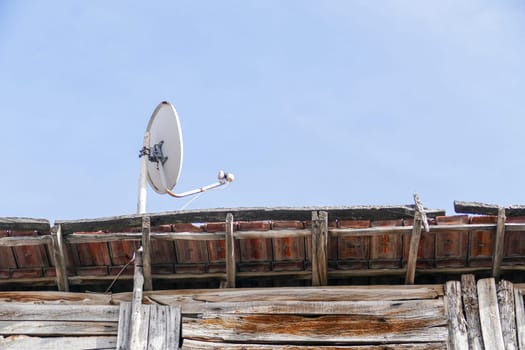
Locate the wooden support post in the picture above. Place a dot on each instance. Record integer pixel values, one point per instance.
(59, 258)
(420, 218)
(471, 307)
(137, 318)
(146, 255)
(489, 315)
(507, 314)
(230, 253)
(498, 245)
(319, 248)
(520, 317)
(457, 325)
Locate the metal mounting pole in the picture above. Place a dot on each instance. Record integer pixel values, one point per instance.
(141, 204)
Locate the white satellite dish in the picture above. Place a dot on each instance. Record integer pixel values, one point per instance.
(162, 154)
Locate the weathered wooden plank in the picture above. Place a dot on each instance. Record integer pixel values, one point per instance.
(24, 241)
(124, 327)
(54, 343)
(173, 327)
(471, 307)
(413, 251)
(498, 244)
(282, 233)
(487, 209)
(489, 315)
(322, 329)
(242, 214)
(505, 294)
(457, 325)
(231, 269)
(57, 328)
(190, 344)
(60, 259)
(139, 314)
(379, 231)
(421, 309)
(520, 317)
(157, 332)
(24, 224)
(319, 248)
(45, 297)
(325, 294)
(48, 312)
(146, 254)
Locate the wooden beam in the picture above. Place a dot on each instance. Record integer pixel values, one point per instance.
(487, 209)
(457, 325)
(123, 336)
(489, 315)
(319, 248)
(60, 259)
(505, 293)
(24, 224)
(230, 253)
(146, 254)
(497, 257)
(24, 241)
(242, 214)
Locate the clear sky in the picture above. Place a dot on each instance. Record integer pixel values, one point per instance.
(307, 102)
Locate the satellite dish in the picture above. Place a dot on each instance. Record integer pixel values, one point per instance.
(166, 149)
(162, 154)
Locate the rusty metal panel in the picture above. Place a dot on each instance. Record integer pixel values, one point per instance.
(92, 254)
(427, 247)
(290, 248)
(353, 252)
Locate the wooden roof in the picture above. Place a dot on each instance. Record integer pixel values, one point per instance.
(271, 247)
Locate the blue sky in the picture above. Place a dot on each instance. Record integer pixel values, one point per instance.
(307, 102)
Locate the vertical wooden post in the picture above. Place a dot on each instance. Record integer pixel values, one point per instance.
(230, 253)
(498, 245)
(137, 317)
(469, 294)
(520, 317)
(146, 259)
(505, 293)
(413, 250)
(319, 248)
(420, 218)
(489, 315)
(59, 258)
(457, 326)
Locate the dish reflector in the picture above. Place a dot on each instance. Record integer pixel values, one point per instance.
(166, 148)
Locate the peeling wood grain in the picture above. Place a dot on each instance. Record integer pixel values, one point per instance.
(190, 344)
(327, 328)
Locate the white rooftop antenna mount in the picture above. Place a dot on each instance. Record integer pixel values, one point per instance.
(162, 154)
